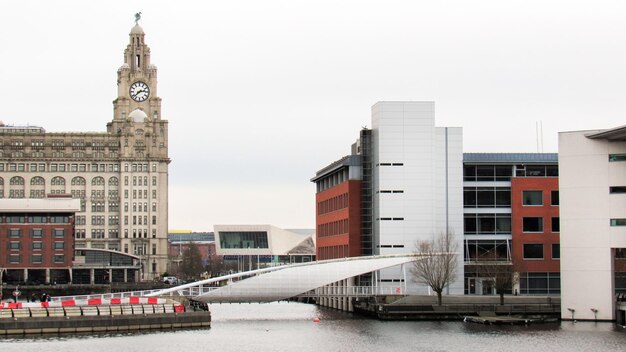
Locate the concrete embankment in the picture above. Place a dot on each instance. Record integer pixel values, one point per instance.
(23, 321)
(458, 307)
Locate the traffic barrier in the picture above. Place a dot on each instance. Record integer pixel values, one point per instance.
(179, 308)
(168, 308)
(94, 301)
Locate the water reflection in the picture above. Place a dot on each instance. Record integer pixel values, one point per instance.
(290, 326)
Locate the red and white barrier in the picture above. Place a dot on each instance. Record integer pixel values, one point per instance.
(84, 302)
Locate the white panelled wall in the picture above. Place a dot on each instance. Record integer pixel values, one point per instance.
(422, 166)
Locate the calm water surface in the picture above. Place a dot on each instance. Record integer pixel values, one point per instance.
(290, 327)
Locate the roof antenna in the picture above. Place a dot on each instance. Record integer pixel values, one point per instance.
(539, 135)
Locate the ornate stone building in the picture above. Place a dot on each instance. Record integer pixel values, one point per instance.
(120, 176)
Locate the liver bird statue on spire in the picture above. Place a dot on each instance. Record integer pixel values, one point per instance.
(137, 18)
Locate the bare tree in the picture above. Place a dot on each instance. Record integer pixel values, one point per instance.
(191, 265)
(438, 265)
(503, 275)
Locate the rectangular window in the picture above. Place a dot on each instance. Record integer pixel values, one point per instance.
(15, 219)
(532, 225)
(532, 197)
(37, 219)
(554, 198)
(59, 233)
(59, 245)
(556, 251)
(556, 226)
(36, 258)
(617, 157)
(59, 219)
(617, 189)
(618, 222)
(36, 233)
(14, 246)
(15, 233)
(37, 246)
(59, 258)
(533, 251)
(14, 258)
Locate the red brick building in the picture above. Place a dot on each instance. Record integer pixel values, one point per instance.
(37, 239)
(535, 231)
(338, 209)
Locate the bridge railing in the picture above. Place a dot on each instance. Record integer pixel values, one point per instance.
(354, 291)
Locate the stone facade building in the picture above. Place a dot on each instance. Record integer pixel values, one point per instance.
(120, 176)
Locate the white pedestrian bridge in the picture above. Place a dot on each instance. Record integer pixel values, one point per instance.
(330, 278)
(283, 282)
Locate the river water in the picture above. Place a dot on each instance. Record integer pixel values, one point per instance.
(290, 327)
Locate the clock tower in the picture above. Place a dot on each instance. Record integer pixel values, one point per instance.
(142, 137)
(137, 80)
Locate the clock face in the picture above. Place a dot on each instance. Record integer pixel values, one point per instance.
(139, 91)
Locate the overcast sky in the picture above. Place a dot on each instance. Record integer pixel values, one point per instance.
(261, 94)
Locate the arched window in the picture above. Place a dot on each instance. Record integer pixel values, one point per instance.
(58, 181)
(17, 181)
(37, 181)
(78, 181)
(113, 181)
(97, 181)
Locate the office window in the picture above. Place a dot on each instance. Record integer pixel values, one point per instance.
(556, 251)
(15, 233)
(617, 157)
(36, 233)
(532, 197)
(59, 245)
(617, 189)
(618, 222)
(59, 258)
(556, 226)
(36, 258)
(14, 258)
(37, 246)
(554, 198)
(59, 219)
(532, 225)
(533, 251)
(14, 246)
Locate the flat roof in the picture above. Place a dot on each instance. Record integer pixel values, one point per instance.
(348, 160)
(511, 158)
(613, 134)
(10, 205)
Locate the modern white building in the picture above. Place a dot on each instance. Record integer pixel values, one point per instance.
(592, 186)
(417, 184)
(255, 246)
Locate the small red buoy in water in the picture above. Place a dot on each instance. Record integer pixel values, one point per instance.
(316, 320)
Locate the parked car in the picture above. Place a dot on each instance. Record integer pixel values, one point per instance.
(170, 280)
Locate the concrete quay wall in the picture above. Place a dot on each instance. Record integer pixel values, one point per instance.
(89, 324)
